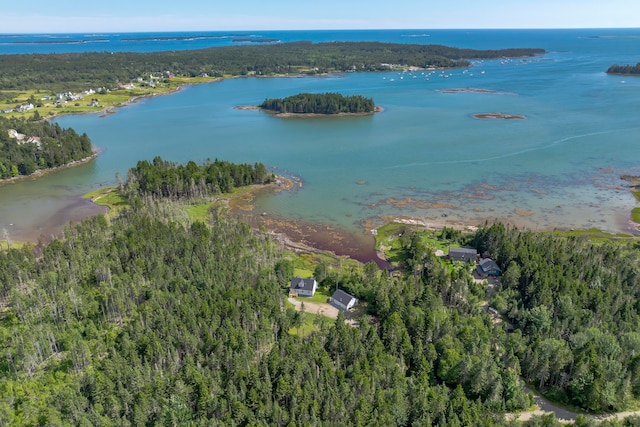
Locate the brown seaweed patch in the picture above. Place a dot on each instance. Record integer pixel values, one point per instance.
(481, 195)
(402, 203)
(522, 212)
(498, 187)
(361, 182)
(442, 205)
(541, 192)
(421, 204)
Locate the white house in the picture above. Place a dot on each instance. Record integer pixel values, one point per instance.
(343, 300)
(303, 287)
(24, 107)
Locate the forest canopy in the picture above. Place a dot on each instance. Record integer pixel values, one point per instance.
(80, 71)
(164, 179)
(28, 145)
(153, 319)
(320, 103)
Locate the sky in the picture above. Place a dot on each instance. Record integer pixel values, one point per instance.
(68, 16)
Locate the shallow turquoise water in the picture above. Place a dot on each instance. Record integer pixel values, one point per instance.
(425, 156)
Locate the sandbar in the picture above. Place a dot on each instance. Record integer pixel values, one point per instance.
(490, 116)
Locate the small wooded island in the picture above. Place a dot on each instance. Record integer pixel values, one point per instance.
(320, 104)
(625, 69)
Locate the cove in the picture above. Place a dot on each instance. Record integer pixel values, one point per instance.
(425, 156)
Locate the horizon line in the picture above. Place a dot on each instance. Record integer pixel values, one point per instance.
(322, 29)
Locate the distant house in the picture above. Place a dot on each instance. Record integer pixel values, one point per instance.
(343, 300)
(303, 287)
(15, 134)
(463, 254)
(24, 107)
(488, 267)
(7, 110)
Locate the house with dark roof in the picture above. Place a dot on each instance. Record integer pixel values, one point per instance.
(343, 300)
(488, 267)
(303, 287)
(463, 254)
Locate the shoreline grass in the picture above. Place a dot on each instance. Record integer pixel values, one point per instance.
(597, 235)
(108, 197)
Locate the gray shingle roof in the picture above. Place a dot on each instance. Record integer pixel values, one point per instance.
(298, 283)
(486, 265)
(342, 297)
(463, 254)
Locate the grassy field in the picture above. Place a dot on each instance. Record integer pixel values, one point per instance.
(114, 98)
(390, 240)
(304, 264)
(320, 296)
(109, 197)
(597, 235)
(6, 245)
(302, 272)
(200, 211)
(310, 323)
(635, 215)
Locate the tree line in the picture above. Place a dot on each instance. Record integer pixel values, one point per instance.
(163, 179)
(320, 103)
(80, 71)
(624, 69)
(29, 145)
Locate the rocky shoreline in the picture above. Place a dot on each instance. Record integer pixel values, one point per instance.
(496, 115)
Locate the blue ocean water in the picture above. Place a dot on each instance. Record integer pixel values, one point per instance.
(426, 156)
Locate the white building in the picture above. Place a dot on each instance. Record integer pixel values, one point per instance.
(303, 287)
(343, 300)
